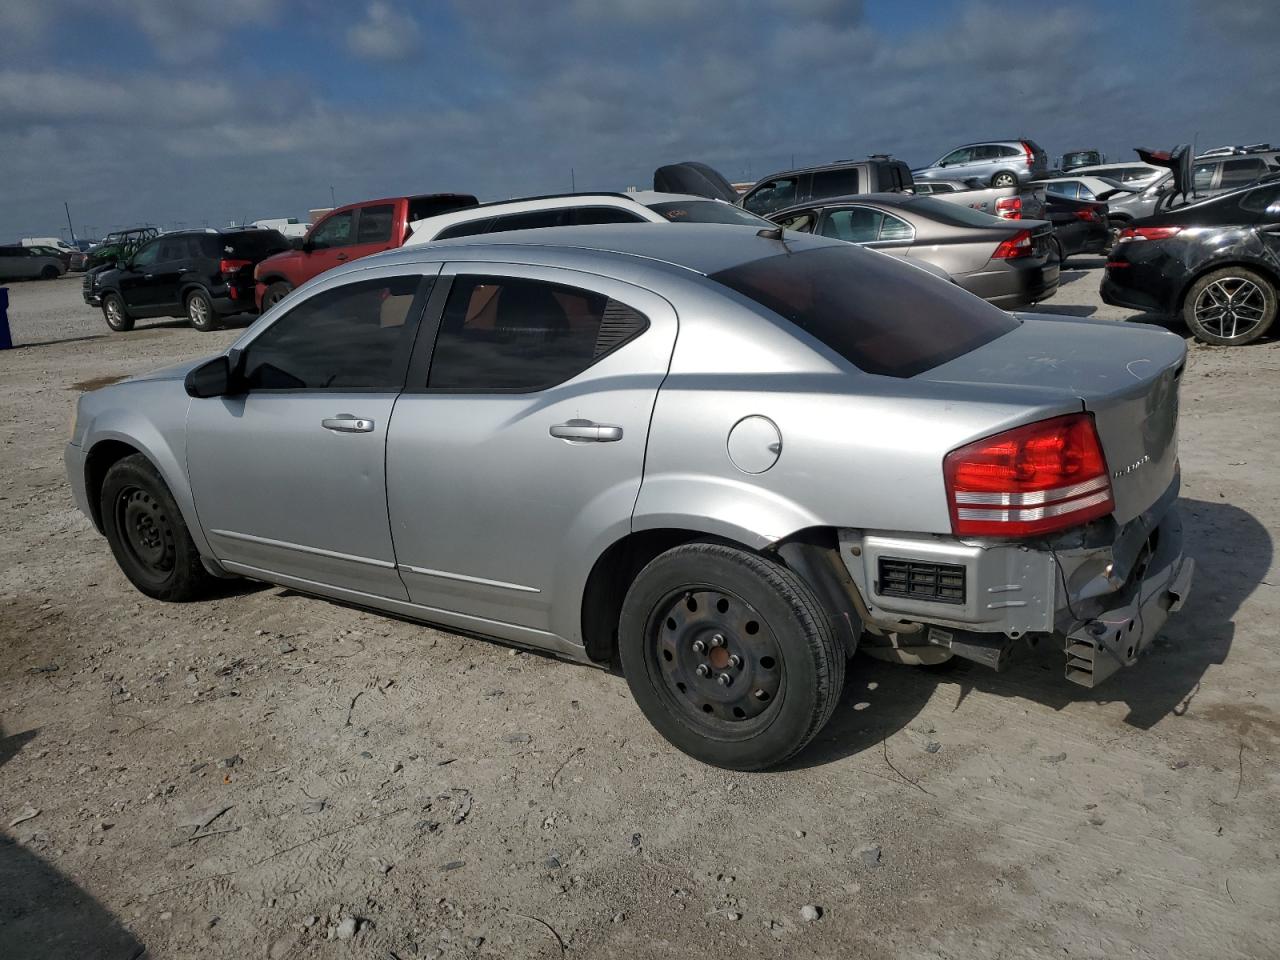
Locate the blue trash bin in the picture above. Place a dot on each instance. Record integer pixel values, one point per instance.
(6, 339)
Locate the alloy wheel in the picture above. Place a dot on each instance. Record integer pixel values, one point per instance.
(719, 662)
(1230, 307)
(198, 310)
(114, 313)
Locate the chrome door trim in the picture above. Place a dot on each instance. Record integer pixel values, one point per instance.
(299, 548)
(446, 575)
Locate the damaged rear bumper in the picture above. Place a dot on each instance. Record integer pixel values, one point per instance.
(1103, 601)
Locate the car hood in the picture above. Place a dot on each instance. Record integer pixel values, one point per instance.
(178, 371)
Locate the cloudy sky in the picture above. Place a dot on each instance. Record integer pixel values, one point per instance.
(180, 112)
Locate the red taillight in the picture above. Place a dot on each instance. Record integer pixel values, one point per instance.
(230, 267)
(1147, 233)
(1087, 213)
(1031, 480)
(1019, 245)
(1031, 157)
(1009, 208)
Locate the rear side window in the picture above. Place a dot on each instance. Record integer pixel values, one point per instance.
(855, 225)
(834, 183)
(353, 337)
(884, 317)
(469, 229)
(1239, 173)
(518, 335)
(375, 223)
(250, 245)
(532, 220)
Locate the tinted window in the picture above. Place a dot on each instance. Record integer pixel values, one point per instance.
(470, 229)
(586, 216)
(250, 245)
(1008, 151)
(834, 183)
(706, 211)
(375, 223)
(505, 333)
(883, 316)
(148, 254)
(529, 221)
(1238, 173)
(986, 152)
(353, 337)
(772, 195)
(174, 248)
(855, 225)
(422, 207)
(1258, 200)
(333, 232)
(1069, 190)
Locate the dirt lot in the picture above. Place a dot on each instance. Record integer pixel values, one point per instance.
(260, 774)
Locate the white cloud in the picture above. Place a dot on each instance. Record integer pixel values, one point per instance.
(385, 35)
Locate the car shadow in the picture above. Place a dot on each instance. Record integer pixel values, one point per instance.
(51, 343)
(1233, 553)
(44, 915)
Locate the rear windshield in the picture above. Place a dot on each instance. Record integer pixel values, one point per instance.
(882, 316)
(707, 211)
(253, 244)
(955, 214)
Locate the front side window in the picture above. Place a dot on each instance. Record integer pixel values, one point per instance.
(353, 337)
(706, 211)
(883, 316)
(590, 216)
(147, 255)
(854, 225)
(510, 334)
(963, 155)
(333, 232)
(375, 223)
(772, 195)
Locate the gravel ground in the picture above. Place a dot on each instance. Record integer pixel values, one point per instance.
(266, 774)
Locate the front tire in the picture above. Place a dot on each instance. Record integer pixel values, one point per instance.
(115, 313)
(200, 311)
(274, 294)
(1230, 307)
(729, 655)
(1004, 179)
(147, 534)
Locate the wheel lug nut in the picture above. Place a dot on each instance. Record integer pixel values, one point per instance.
(699, 646)
(717, 640)
(724, 679)
(735, 660)
(703, 670)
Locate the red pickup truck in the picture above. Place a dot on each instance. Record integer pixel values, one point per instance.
(348, 233)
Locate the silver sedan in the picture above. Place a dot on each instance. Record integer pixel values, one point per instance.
(721, 457)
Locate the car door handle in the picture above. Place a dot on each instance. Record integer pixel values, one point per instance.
(586, 431)
(346, 423)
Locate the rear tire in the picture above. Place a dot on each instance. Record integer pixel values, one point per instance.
(1230, 307)
(147, 534)
(729, 655)
(49, 273)
(274, 294)
(1062, 254)
(117, 316)
(1004, 179)
(200, 311)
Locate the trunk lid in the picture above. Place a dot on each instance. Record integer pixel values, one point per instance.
(1126, 375)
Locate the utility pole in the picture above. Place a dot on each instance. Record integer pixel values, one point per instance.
(332, 201)
(69, 226)
(573, 183)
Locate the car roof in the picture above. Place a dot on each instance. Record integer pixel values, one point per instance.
(832, 165)
(703, 248)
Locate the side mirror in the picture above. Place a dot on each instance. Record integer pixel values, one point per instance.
(307, 245)
(213, 378)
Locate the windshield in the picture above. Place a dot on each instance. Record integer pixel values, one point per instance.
(707, 211)
(953, 213)
(881, 315)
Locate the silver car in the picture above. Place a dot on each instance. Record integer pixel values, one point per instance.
(29, 263)
(999, 163)
(725, 458)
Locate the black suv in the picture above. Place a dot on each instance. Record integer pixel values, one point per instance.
(877, 174)
(202, 275)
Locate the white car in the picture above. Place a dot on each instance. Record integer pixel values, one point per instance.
(1135, 174)
(580, 209)
(48, 242)
(1087, 187)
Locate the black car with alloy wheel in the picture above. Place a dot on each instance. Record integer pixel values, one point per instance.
(1217, 263)
(203, 275)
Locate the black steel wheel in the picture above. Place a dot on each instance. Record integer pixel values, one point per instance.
(147, 534)
(729, 655)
